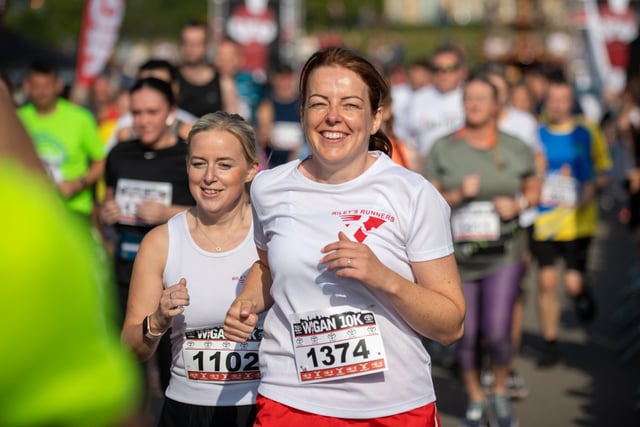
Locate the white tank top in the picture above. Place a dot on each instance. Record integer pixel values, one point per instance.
(213, 281)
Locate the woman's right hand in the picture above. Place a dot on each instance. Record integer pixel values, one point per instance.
(240, 321)
(110, 212)
(172, 302)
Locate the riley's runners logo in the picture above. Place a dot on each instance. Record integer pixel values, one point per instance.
(361, 221)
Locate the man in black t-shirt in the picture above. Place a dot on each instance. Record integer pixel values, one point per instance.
(200, 87)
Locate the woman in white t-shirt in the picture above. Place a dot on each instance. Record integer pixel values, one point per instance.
(356, 264)
(189, 270)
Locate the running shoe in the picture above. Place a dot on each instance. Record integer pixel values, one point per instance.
(476, 415)
(516, 387)
(584, 305)
(501, 414)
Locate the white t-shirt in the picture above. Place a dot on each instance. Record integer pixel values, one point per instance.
(403, 219)
(523, 126)
(400, 98)
(432, 115)
(213, 281)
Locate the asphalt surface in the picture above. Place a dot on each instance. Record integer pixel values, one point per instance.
(598, 381)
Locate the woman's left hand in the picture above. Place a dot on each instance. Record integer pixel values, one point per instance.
(355, 260)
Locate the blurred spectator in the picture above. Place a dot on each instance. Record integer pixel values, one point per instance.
(521, 98)
(237, 85)
(488, 178)
(278, 118)
(102, 99)
(437, 111)
(567, 220)
(516, 122)
(536, 81)
(419, 74)
(65, 136)
(404, 85)
(200, 84)
(538, 78)
(181, 121)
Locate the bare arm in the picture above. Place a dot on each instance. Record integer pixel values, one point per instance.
(433, 306)
(95, 172)
(587, 195)
(264, 123)
(254, 298)
(229, 92)
(510, 207)
(467, 190)
(531, 188)
(147, 295)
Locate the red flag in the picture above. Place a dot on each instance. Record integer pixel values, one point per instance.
(100, 27)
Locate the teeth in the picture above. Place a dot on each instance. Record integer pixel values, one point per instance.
(208, 191)
(333, 135)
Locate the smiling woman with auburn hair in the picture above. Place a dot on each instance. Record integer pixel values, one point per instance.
(356, 265)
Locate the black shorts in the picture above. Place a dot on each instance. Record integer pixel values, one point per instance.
(573, 252)
(178, 414)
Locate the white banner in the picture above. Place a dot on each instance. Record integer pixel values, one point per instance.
(610, 28)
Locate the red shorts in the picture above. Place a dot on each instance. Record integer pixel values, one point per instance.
(274, 414)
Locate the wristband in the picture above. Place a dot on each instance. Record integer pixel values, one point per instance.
(146, 329)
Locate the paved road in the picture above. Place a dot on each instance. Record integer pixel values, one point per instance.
(594, 386)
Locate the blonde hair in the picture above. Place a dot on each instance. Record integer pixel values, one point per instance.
(232, 123)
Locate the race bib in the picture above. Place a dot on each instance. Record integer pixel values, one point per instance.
(209, 357)
(131, 192)
(475, 221)
(336, 343)
(559, 190)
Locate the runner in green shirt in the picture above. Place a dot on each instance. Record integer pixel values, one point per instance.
(65, 136)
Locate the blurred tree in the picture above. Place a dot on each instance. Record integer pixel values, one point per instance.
(151, 19)
(57, 23)
(54, 24)
(337, 14)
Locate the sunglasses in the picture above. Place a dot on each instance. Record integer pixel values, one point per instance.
(445, 68)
